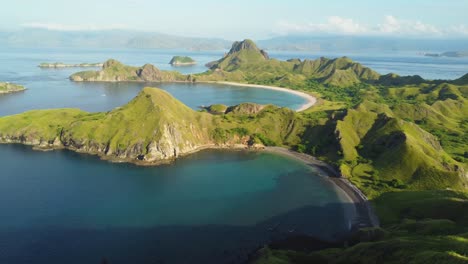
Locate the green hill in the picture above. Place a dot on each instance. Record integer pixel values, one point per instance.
(242, 52)
(153, 127)
(419, 227)
(114, 71)
(245, 62)
(182, 60)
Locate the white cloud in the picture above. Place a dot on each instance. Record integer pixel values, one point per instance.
(335, 24)
(65, 27)
(405, 27)
(390, 26)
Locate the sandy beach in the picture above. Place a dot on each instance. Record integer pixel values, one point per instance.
(310, 99)
(365, 216)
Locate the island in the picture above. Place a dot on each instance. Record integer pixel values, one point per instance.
(452, 54)
(65, 65)
(397, 144)
(182, 61)
(6, 87)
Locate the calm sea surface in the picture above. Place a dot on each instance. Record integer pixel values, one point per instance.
(210, 207)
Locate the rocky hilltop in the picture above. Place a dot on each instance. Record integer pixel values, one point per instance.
(154, 127)
(241, 52)
(6, 87)
(114, 71)
(65, 65)
(182, 61)
(246, 63)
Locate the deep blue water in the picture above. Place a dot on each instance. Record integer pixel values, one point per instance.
(210, 207)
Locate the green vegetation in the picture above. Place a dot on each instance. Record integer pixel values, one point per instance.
(216, 108)
(400, 139)
(114, 71)
(420, 227)
(10, 88)
(182, 60)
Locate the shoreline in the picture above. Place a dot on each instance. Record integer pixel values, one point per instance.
(311, 100)
(364, 214)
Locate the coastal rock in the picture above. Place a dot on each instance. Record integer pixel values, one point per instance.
(114, 71)
(6, 87)
(149, 73)
(245, 109)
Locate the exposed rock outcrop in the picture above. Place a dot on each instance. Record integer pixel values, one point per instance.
(6, 87)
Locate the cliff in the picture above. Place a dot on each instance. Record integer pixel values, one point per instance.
(241, 52)
(153, 127)
(6, 87)
(370, 140)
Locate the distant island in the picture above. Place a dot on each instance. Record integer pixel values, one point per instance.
(65, 65)
(6, 87)
(399, 140)
(453, 54)
(182, 61)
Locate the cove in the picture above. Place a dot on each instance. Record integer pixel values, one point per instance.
(210, 207)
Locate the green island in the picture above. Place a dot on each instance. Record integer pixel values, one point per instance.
(401, 140)
(6, 87)
(182, 61)
(65, 65)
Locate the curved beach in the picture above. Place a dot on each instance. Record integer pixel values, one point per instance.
(364, 214)
(311, 100)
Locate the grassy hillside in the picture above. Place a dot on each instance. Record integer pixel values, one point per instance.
(152, 127)
(400, 139)
(114, 71)
(245, 62)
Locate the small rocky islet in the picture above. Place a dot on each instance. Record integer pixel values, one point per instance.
(6, 87)
(69, 65)
(182, 61)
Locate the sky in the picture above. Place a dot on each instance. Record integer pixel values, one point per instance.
(257, 19)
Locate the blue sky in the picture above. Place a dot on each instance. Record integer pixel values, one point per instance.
(244, 18)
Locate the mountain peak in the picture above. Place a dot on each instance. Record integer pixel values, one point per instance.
(245, 51)
(246, 44)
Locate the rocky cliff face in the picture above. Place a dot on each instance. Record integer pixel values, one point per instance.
(154, 127)
(241, 52)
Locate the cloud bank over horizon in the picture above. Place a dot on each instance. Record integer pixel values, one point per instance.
(390, 26)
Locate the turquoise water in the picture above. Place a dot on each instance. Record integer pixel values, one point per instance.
(50, 88)
(64, 207)
(210, 207)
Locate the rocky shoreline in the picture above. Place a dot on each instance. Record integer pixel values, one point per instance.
(365, 216)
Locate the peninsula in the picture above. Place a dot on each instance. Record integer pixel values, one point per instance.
(6, 87)
(65, 65)
(400, 140)
(182, 61)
